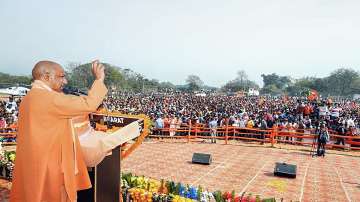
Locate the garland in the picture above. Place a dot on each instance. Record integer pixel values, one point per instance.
(140, 139)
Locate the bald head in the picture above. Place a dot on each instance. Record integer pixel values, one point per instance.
(51, 73)
(43, 68)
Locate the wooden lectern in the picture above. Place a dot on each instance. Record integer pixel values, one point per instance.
(106, 176)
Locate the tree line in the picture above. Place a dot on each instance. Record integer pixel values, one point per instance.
(341, 82)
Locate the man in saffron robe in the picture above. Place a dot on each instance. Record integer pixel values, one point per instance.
(49, 166)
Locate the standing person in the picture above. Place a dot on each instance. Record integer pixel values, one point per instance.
(213, 126)
(323, 138)
(49, 164)
(263, 127)
(300, 130)
(341, 132)
(159, 125)
(172, 127)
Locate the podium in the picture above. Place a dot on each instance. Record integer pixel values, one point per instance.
(106, 176)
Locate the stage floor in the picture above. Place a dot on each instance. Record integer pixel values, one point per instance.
(249, 168)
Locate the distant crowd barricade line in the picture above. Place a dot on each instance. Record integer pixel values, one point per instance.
(272, 136)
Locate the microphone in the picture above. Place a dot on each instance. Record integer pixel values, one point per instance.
(73, 91)
(108, 123)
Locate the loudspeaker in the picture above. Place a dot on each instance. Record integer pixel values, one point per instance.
(285, 170)
(202, 158)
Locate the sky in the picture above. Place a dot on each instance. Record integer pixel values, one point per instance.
(168, 40)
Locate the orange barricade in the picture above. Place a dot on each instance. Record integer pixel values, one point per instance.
(272, 136)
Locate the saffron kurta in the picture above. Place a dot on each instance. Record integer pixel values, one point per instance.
(48, 155)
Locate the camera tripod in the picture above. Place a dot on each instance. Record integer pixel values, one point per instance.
(316, 148)
(313, 150)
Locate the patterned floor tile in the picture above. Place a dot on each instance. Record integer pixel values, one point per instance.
(250, 169)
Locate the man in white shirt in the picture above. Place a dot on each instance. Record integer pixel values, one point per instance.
(213, 127)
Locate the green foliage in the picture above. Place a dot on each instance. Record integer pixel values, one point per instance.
(199, 191)
(218, 196)
(127, 177)
(241, 82)
(303, 85)
(194, 83)
(9, 80)
(269, 200)
(342, 81)
(177, 188)
(171, 186)
(233, 196)
(276, 82)
(166, 85)
(236, 85)
(271, 89)
(114, 78)
(257, 199)
(355, 85)
(80, 76)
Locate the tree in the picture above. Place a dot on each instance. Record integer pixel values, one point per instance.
(271, 89)
(236, 85)
(280, 82)
(242, 78)
(194, 83)
(241, 82)
(7, 80)
(114, 78)
(355, 86)
(340, 81)
(275, 82)
(166, 85)
(80, 75)
(320, 85)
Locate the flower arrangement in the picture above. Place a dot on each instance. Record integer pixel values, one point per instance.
(144, 189)
(7, 159)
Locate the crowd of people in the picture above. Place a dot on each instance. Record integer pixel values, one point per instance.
(170, 110)
(9, 112)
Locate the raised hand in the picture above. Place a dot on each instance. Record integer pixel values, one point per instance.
(98, 70)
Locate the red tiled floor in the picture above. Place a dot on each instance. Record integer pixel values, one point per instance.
(250, 168)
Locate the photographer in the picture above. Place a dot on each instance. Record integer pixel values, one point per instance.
(341, 130)
(322, 138)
